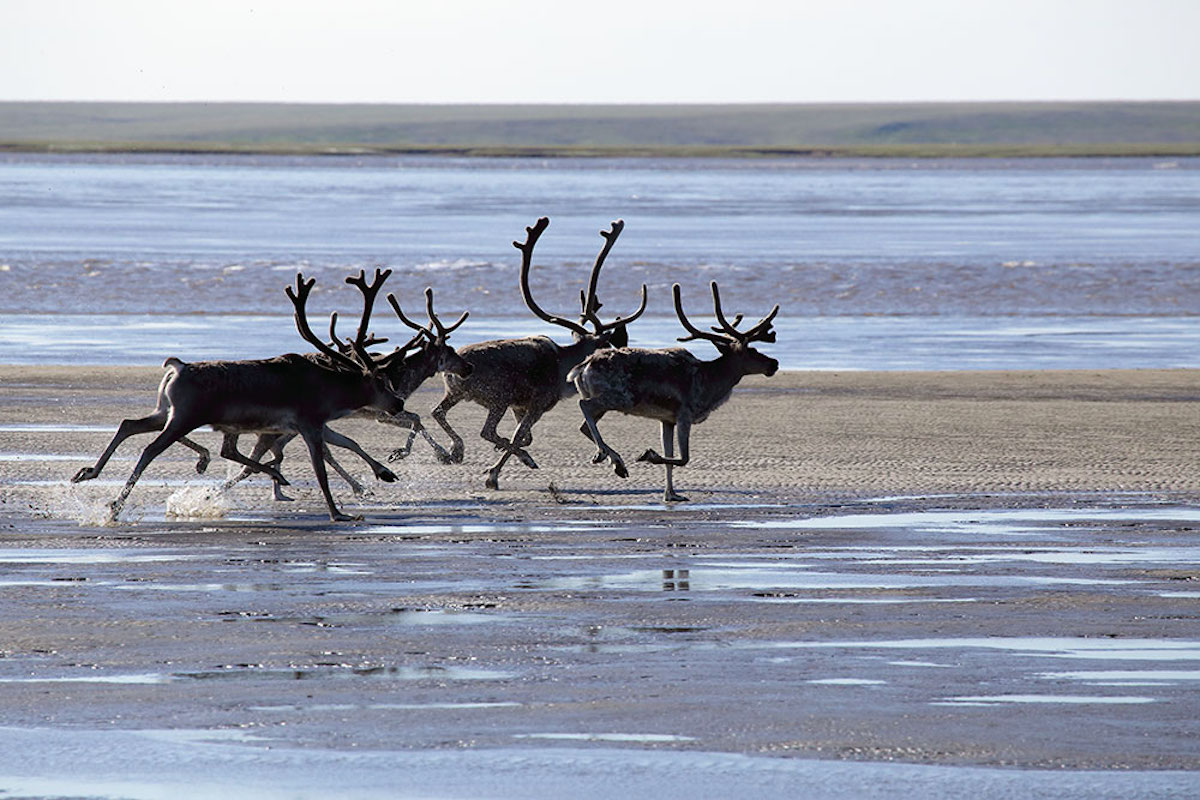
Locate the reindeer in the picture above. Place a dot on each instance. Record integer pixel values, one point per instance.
(286, 394)
(432, 354)
(670, 385)
(529, 375)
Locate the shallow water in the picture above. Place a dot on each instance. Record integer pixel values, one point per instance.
(879, 264)
(345, 658)
(124, 765)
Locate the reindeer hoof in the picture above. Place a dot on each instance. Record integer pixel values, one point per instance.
(673, 497)
(280, 497)
(85, 474)
(447, 458)
(492, 482)
(340, 517)
(650, 456)
(387, 476)
(599, 457)
(398, 454)
(620, 469)
(202, 465)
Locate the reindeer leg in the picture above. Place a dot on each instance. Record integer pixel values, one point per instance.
(156, 421)
(522, 435)
(405, 450)
(668, 443)
(204, 456)
(651, 457)
(684, 426)
(338, 440)
(129, 427)
(449, 401)
(412, 421)
(357, 488)
(316, 451)
(590, 415)
(171, 433)
(273, 442)
(229, 450)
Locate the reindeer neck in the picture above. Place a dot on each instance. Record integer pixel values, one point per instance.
(415, 370)
(575, 352)
(718, 377)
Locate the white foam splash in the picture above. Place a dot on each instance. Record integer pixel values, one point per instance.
(198, 502)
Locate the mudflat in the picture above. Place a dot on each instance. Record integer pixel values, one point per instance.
(973, 569)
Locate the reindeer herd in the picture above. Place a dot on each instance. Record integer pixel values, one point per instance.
(298, 395)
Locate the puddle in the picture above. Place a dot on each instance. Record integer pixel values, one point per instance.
(201, 587)
(1105, 556)
(644, 738)
(51, 427)
(1116, 649)
(1158, 677)
(142, 679)
(388, 707)
(43, 457)
(702, 578)
(1064, 699)
(920, 664)
(846, 682)
(479, 528)
(202, 735)
(30, 556)
(678, 508)
(345, 673)
(766, 597)
(1011, 522)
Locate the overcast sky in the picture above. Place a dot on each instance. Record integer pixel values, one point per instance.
(450, 51)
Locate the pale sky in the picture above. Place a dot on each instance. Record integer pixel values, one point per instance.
(635, 51)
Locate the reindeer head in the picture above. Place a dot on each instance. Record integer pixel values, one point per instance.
(387, 376)
(612, 333)
(435, 354)
(728, 339)
(352, 359)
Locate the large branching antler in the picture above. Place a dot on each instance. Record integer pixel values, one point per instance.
(589, 303)
(532, 233)
(299, 298)
(369, 292)
(725, 332)
(443, 330)
(424, 334)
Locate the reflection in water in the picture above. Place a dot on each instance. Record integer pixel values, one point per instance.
(676, 580)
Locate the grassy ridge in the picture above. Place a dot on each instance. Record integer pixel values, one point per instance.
(929, 129)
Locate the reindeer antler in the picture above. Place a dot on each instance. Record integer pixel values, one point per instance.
(299, 298)
(590, 304)
(369, 292)
(727, 331)
(531, 236)
(442, 330)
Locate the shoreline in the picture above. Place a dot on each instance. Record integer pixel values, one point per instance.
(791, 438)
(748, 152)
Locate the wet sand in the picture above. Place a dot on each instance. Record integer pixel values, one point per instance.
(985, 574)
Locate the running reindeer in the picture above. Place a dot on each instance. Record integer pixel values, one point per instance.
(431, 354)
(286, 394)
(670, 385)
(529, 375)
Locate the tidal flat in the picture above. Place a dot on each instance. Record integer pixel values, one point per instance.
(884, 584)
